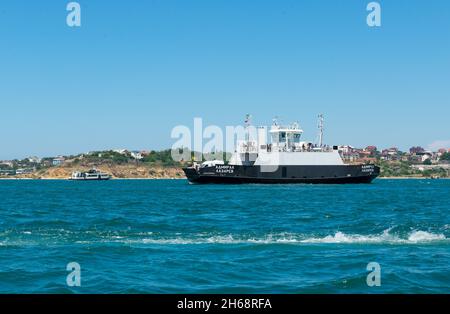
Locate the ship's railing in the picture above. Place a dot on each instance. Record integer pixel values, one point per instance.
(248, 147)
(314, 149)
(297, 148)
(252, 147)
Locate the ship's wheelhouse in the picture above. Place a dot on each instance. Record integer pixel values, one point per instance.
(286, 138)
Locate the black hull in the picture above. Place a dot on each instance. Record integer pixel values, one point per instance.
(339, 174)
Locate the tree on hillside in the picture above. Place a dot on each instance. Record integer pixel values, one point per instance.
(427, 161)
(445, 156)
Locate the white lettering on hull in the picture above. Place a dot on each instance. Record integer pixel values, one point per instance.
(229, 169)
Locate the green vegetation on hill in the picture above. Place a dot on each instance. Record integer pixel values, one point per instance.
(162, 157)
(445, 156)
(396, 169)
(104, 157)
(427, 162)
(404, 169)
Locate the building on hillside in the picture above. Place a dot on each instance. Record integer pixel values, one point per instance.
(58, 161)
(390, 154)
(345, 149)
(121, 151)
(7, 172)
(136, 155)
(371, 149)
(350, 156)
(425, 156)
(34, 160)
(415, 159)
(348, 153)
(363, 154)
(416, 150)
(7, 163)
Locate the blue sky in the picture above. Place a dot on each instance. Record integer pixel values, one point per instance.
(135, 69)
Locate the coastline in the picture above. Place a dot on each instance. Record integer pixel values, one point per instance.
(183, 178)
(67, 179)
(127, 172)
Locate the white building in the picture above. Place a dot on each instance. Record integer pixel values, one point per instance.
(58, 161)
(136, 155)
(346, 149)
(7, 163)
(34, 159)
(121, 151)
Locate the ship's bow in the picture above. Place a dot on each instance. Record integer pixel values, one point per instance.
(191, 174)
(371, 171)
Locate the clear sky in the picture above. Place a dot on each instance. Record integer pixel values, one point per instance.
(135, 69)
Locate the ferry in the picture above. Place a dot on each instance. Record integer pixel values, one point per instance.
(91, 175)
(287, 159)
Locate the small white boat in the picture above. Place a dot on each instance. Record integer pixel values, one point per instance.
(91, 175)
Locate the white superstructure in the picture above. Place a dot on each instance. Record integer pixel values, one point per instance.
(286, 148)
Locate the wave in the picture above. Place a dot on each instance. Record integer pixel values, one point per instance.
(89, 237)
(422, 236)
(414, 237)
(385, 237)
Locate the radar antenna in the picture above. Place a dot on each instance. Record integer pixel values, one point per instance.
(248, 120)
(275, 121)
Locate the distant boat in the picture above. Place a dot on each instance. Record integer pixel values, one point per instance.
(91, 175)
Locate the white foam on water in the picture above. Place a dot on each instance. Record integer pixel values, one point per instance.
(83, 242)
(423, 236)
(338, 238)
(386, 237)
(228, 239)
(164, 241)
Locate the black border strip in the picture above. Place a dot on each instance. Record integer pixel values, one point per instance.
(286, 302)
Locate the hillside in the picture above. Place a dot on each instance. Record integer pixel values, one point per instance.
(117, 171)
(154, 165)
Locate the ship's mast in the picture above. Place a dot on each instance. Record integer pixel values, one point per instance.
(248, 122)
(320, 126)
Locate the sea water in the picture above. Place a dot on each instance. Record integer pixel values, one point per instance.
(167, 236)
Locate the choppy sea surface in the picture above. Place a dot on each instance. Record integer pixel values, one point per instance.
(167, 236)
